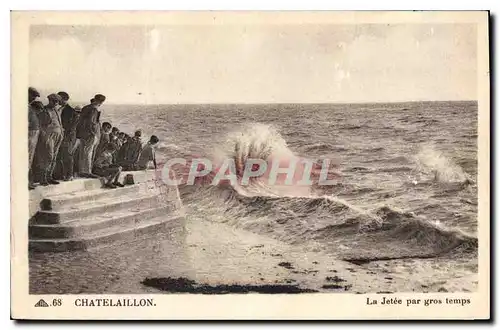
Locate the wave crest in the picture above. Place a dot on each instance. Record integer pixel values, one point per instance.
(443, 169)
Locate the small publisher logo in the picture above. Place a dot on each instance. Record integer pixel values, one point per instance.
(41, 303)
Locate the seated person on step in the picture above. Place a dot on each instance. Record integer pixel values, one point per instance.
(114, 134)
(130, 152)
(148, 154)
(104, 167)
(105, 138)
(122, 146)
(120, 139)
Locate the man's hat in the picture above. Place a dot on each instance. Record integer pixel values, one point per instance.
(54, 97)
(100, 98)
(33, 91)
(154, 139)
(78, 108)
(138, 133)
(63, 95)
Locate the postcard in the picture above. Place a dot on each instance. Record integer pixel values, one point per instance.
(250, 165)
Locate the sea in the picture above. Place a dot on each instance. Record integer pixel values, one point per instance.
(406, 189)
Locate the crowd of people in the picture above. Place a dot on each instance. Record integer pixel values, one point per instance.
(65, 142)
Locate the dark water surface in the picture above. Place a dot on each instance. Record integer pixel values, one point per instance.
(398, 157)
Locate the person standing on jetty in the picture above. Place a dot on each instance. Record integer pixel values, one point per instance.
(51, 135)
(33, 132)
(76, 150)
(89, 132)
(69, 119)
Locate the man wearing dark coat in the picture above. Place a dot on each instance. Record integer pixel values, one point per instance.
(88, 131)
(51, 136)
(69, 118)
(33, 132)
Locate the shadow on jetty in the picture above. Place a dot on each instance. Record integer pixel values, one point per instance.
(184, 285)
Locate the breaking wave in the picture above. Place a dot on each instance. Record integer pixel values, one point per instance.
(432, 162)
(264, 143)
(380, 234)
(296, 215)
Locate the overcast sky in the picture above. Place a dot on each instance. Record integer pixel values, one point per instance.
(256, 64)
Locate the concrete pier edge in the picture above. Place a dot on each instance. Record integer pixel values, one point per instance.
(80, 214)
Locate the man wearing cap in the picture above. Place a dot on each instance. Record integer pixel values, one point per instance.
(33, 132)
(76, 150)
(69, 119)
(33, 94)
(51, 136)
(88, 131)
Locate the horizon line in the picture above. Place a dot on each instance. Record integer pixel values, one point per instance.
(279, 103)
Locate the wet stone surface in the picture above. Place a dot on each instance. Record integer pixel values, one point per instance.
(114, 269)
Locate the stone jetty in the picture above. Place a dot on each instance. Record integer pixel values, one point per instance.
(80, 214)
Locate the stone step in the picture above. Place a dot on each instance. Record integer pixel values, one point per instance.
(79, 184)
(78, 228)
(65, 187)
(141, 176)
(58, 202)
(89, 209)
(107, 236)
